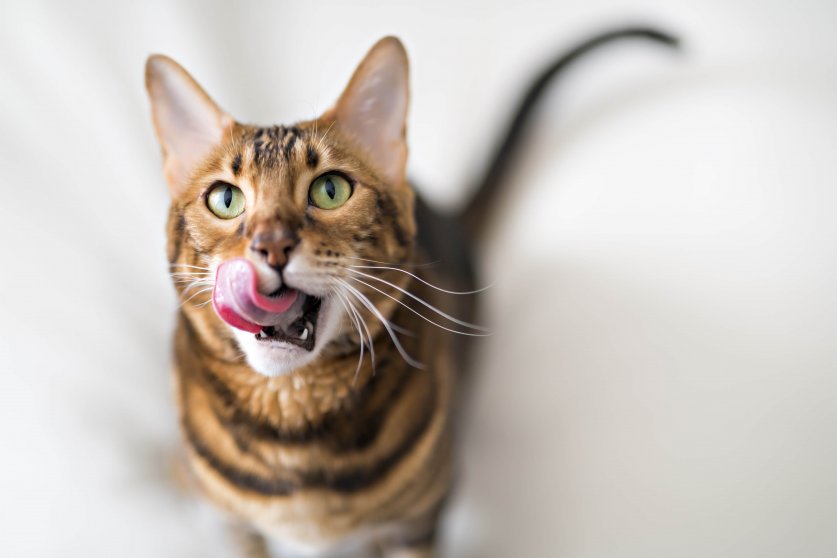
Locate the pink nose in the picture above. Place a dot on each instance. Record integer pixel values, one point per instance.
(273, 245)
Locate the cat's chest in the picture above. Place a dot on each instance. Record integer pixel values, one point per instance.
(361, 467)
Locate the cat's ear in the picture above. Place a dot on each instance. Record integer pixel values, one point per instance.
(373, 107)
(189, 124)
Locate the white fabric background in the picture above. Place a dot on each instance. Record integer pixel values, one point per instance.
(663, 378)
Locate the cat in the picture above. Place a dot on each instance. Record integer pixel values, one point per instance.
(316, 363)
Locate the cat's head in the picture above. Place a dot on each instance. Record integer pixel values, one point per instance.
(265, 221)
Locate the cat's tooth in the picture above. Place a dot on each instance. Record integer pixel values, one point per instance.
(262, 334)
(304, 334)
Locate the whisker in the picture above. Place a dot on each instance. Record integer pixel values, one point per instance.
(422, 301)
(420, 315)
(426, 264)
(394, 326)
(362, 322)
(191, 266)
(197, 283)
(402, 330)
(414, 276)
(387, 325)
(205, 280)
(194, 295)
(323, 137)
(372, 308)
(360, 334)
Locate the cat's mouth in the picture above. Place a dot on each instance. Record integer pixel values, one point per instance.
(287, 315)
(301, 326)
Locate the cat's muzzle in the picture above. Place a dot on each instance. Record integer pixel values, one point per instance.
(286, 315)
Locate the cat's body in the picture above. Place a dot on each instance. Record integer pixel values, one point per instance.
(329, 420)
(329, 452)
(318, 457)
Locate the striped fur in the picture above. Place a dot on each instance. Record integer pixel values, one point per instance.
(329, 453)
(332, 452)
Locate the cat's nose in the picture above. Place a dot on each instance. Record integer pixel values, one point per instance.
(273, 246)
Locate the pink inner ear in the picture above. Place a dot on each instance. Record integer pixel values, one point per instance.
(238, 302)
(189, 124)
(373, 108)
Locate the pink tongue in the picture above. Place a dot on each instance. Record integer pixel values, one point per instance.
(238, 301)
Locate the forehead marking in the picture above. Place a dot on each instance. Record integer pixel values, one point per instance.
(311, 157)
(271, 143)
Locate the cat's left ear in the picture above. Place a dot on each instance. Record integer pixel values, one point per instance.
(373, 107)
(189, 124)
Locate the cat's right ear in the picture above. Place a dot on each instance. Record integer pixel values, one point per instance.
(189, 124)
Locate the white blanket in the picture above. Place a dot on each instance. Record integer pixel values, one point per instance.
(663, 377)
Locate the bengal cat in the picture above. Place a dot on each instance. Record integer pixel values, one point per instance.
(315, 358)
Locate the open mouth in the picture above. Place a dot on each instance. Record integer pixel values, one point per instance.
(286, 315)
(301, 326)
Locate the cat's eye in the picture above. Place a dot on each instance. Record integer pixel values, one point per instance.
(329, 191)
(225, 200)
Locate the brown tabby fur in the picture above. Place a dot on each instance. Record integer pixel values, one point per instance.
(325, 452)
(330, 452)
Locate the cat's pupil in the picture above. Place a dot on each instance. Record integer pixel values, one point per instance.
(228, 197)
(330, 189)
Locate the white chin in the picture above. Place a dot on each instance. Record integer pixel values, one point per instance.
(276, 358)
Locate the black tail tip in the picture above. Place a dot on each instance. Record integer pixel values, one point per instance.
(649, 32)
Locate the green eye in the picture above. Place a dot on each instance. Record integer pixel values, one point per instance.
(225, 200)
(329, 191)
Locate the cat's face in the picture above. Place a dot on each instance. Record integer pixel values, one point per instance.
(267, 220)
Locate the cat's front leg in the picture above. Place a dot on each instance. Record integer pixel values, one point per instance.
(249, 543)
(414, 540)
(422, 551)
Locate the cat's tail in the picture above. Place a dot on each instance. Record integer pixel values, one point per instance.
(480, 209)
